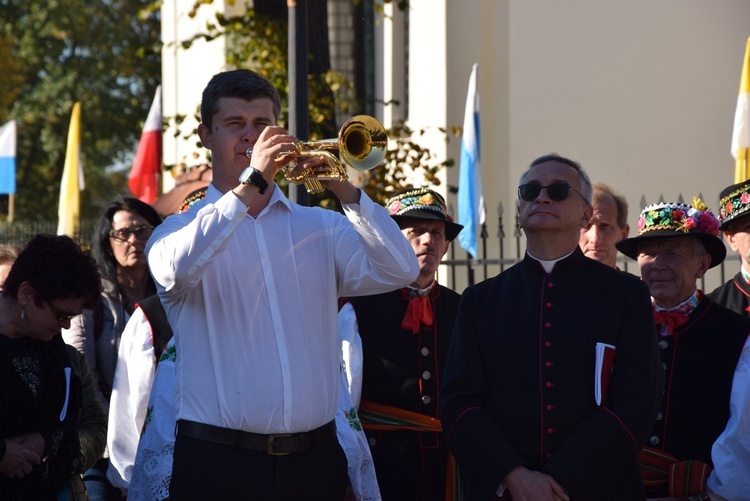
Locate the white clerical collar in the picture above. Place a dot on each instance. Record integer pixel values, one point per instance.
(549, 265)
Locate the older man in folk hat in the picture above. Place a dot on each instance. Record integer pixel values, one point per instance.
(405, 335)
(734, 213)
(701, 343)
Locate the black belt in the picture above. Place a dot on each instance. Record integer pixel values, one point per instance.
(273, 445)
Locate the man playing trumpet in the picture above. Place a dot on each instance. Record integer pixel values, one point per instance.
(250, 283)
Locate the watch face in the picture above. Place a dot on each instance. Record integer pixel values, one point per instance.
(245, 176)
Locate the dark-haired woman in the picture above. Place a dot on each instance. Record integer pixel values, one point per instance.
(119, 239)
(51, 281)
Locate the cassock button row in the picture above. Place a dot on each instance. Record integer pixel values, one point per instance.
(548, 325)
(654, 440)
(663, 343)
(549, 305)
(550, 431)
(426, 399)
(425, 351)
(548, 343)
(548, 364)
(548, 384)
(426, 375)
(550, 407)
(550, 285)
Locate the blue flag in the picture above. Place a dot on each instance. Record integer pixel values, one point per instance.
(8, 158)
(471, 213)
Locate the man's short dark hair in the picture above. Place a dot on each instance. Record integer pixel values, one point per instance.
(586, 188)
(602, 190)
(243, 84)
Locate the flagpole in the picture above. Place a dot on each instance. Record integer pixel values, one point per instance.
(11, 208)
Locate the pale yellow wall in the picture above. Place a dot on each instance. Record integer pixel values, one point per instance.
(641, 92)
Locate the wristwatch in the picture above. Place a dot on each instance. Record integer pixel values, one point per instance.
(251, 175)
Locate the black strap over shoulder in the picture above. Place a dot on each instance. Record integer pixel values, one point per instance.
(161, 332)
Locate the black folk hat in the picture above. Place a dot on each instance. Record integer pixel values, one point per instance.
(734, 203)
(422, 203)
(677, 220)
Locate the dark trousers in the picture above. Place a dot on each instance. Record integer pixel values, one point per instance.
(206, 470)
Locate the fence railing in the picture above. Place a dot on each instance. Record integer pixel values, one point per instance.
(500, 251)
(20, 233)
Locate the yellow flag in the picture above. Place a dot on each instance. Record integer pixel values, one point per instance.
(741, 132)
(72, 178)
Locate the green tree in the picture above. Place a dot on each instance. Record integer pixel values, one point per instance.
(258, 41)
(99, 53)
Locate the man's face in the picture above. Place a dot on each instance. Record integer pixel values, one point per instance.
(545, 214)
(738, 238)
(427, 238)
(670, 267)
(236, 126)
(598, 238)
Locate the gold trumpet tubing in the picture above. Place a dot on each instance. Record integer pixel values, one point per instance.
(331, 168)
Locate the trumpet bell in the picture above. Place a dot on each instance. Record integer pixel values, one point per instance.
(363, 142)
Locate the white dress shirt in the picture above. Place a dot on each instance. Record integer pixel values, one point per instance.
(730, 478)
(253, 304)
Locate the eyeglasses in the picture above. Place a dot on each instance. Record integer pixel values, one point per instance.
(59, 315)
(556, 192)
(140, 232)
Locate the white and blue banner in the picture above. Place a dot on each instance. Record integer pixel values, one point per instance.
(8, 158)
(471, 211)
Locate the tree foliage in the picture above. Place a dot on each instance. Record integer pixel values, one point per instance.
(258, 40)
(62, 51)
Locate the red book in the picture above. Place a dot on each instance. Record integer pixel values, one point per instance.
(605, 362)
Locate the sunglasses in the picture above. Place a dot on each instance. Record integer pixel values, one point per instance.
(140, 232)
(556, 192)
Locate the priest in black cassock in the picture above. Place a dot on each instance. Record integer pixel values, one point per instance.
(519, 405)
(699, 445)
(405, 337)
(734, 213)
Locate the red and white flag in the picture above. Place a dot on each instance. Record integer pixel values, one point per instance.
(144, 176)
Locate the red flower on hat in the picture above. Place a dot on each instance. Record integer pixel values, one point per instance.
(677, 215)
(689, 224)
(728, 207)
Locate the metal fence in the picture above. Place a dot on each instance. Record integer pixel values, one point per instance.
(20, 233)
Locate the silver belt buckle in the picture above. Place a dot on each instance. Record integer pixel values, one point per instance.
(269, 445)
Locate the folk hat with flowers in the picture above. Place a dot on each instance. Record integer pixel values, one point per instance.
(734, 203)
(422, 203)
(677, 220)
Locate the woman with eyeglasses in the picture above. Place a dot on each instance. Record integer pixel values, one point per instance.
(41, 394)
(119, 239)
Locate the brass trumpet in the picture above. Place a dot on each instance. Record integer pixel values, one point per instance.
(362, 143)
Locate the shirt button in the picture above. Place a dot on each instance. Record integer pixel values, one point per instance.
(659, 416)
(426, 399)
(426, 375)
(425, 352)
(663, 344)
(664, 366)
(654, 440)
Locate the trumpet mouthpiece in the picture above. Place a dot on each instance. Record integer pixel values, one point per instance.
(249, 152)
